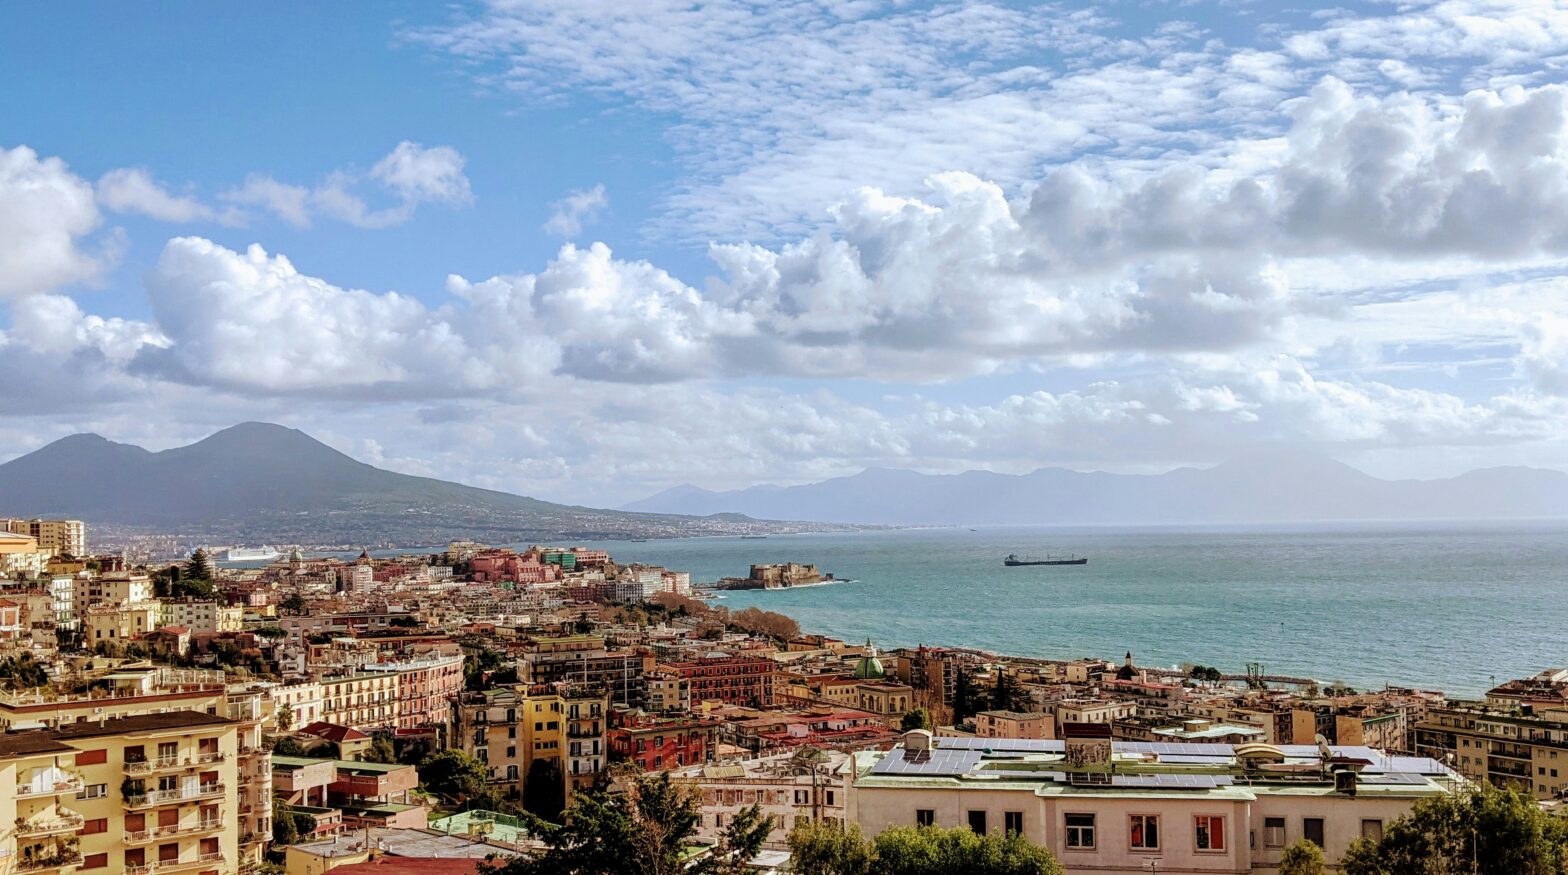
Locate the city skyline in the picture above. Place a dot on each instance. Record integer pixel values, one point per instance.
(587, 252)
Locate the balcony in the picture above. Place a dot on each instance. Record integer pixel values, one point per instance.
(162, 832)
(43, 864)
(64, 823)
(169, 797)
(71, 785)
(172, 865)
(160, 764)
(210, 756)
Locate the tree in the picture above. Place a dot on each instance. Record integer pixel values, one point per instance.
(404, 622)
(285, 717)
(199, 566)
(818, 848)
(919, 718)
(643, 831)
(1008, 694)
(288, 825)
(1302, 858)
(273, 632)
(964, 704)
(544, 789)
(1483, 830)
(23, 672)
(287, 746)
(930, 850)
(381, 749)
(1205, 673)
(452, 774)
(294, 603)
(583, 625)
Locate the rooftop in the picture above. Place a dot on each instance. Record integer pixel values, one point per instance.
(1152, 768)
(400, 843)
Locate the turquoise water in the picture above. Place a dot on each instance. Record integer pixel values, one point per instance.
(1440, 606)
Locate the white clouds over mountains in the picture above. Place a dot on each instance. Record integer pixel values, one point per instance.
(1161, 249)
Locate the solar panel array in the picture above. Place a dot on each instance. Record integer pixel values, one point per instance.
(1391, 778)
(934, 762)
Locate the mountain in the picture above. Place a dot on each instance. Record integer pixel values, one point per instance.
(258, 482)
(1262, 487)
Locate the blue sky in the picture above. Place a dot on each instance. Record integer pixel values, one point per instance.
(591, 250)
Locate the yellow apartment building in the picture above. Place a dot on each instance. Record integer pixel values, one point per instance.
(158, 693)
(150, 793)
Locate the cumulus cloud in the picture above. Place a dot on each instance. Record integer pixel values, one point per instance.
(581, 207)
(46, 214)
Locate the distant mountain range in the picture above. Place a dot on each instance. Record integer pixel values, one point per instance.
(1266, 487)
(257, 482)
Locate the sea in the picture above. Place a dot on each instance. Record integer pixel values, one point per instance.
(1448, 606)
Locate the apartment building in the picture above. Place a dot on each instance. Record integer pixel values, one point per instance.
(20, 555)
(156, 693)
(658, 743)
(790, 788)
(118, 621)
(728, 678)
(1128, 807)
(202, 616)
(425, 688)
(1014, 724)
(112, 588)
(1520, 746)
(587, 749)
(56, 537)
(583, 660)
(136, 795)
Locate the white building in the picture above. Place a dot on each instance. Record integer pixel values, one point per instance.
(792, 788)
(1125, 807)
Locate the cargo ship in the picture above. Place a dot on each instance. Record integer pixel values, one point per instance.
(1013, 560)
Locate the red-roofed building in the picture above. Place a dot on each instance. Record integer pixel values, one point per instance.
(728, 678)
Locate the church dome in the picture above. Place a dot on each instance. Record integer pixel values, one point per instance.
(869, 668)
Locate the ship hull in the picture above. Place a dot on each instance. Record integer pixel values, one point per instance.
(1014, 563)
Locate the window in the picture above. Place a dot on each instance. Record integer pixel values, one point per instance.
(1080, 830)
(977, 822)
(95, 861)
(93, 791)
(1209, 832)
(1371, 828)
(1013, 822)
(802, 797)
(91, 827)
(830, 797)
(1274, 832)
(92, 757)
(925, 817)
(1312, 830)
(1144, 832)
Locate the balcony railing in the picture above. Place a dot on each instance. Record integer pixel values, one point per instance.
(158, 832)
(38, 864)
(71, 785)
(165, 797)
(158, 764)
(209, 756)
(170, 865)
(50, 826)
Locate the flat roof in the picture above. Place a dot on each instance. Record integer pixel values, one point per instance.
(1144, 768)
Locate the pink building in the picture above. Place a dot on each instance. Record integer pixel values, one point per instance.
(425, 688)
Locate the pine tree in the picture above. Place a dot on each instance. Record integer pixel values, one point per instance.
(198, 567)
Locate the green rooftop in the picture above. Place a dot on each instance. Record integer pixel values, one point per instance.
(491, 824)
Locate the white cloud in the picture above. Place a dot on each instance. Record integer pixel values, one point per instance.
(581, 207)
(133, 190)
(46, 212)
(1543, 354)
(410, 175)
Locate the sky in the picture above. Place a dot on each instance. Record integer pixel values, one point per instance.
(588, 250)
